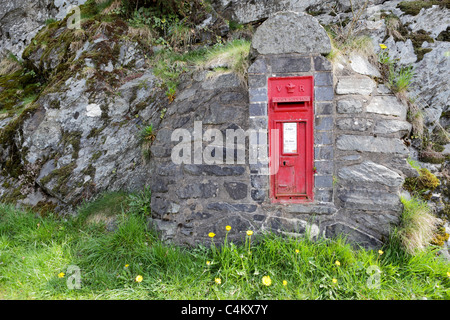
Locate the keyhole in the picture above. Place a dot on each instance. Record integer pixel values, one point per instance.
(284, 163)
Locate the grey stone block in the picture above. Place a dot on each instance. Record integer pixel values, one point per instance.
(324, 167)
(289, 64)
(323, 138)
(215, 170)
(349, 106)
(258, 195)
(325, 195)
(259, 181)
(370, 172)
(324, 93)
(258, 123)
(291, 32)
(371, 144)
(257, 81)
(231, 207)
(323, 153)
(322, 64)
(258, 109)
(312, 209)
(324, 123)
(353, 235)
(259, 66)
(323, 181)
(257, 95)
(354, 124)
(370, 200)
(387, 105)
(236, 190)
(324, 108)
(323, 79)
(355, 85)
(392, 126)
(198, 190)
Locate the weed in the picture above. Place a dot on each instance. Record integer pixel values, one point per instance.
(146, 138)
(418, 225)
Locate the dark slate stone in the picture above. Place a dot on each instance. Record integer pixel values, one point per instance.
(198, 190)
(286, 225)
(324, 93)
(323, 181)
(322, 64)
(324, 167)
(259, 66)
(259, 123)
(257, 81)
(290, 64)
(323, 137)
(259, 181)
(229, 207)
(257, 109)
(324, 108)
(159, 206)
(323, 79)
(257, 95)
(215, 170)
(159, 185)
(258, 195)
(324, 123)
(236, 190)
(323, 153)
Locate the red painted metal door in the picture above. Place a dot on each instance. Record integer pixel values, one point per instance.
(291, 150)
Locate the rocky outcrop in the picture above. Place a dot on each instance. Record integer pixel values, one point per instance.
(81, 136)
(21, 20)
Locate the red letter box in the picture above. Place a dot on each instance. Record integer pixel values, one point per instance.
(291, 148)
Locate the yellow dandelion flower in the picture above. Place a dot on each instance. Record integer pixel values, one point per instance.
(208, 263)
(228, 228)
(284, 283)
(448, 274)
(139, 278)
(383, 46)
(334, 280)
(61, 275)
(380, 252)
(127, 265)
(297, 251)
(266, 281)
(218, 280)
(337, 263)
(249, 232)
(211, 234)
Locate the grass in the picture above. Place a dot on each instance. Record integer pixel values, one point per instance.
(35, 249)
(418, 225)
(168, 65)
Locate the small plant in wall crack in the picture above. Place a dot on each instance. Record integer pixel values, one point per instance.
(146, 138)
(396, 76)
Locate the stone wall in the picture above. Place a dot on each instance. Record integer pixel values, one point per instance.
(359, 154)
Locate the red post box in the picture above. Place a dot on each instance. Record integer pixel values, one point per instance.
(291, 150)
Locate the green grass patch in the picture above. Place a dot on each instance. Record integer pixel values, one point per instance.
(34, 250)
